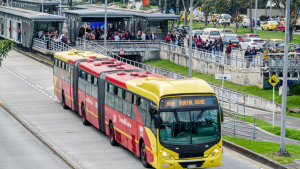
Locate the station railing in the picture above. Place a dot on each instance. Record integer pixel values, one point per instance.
(41, 45)
(56, 46)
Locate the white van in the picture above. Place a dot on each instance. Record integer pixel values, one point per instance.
(224, 19)
(211, 34)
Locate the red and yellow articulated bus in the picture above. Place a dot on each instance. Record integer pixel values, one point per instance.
(168, 123)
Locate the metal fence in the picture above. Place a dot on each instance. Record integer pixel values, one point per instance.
(235, 126)
(40, 45)
(126, 44)
(56, 46)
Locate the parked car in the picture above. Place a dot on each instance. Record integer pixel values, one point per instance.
(257, 43)
(194, 17)
(245, 23)
(235, 42)
(195, 32)
(183, 29)
(247, 35)
(253, 22)
(224, 19)
(227, 32)
(211, 34)
(269, 25)
(215, 17)
(281, 27)
(244, 16)
(273, 43)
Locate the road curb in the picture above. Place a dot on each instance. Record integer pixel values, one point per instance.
(33, 57)
(253, 155)
(70, 162)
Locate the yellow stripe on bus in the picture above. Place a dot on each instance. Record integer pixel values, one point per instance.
(64, 94)
(91, 112)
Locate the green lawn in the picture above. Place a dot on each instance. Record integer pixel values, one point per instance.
(268, 149)
(289, 133)
(261, 33)
(292, 100)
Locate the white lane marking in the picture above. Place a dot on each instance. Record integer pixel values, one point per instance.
(267, 117)
(47, 94)
(39, 89)
(38, 86)
(55, 99)
(22, 76)
(50, 96)
(43, 92)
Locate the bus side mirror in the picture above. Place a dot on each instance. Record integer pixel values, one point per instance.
(156, 121)
(222, 115)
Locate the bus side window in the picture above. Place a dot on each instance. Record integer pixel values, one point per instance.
(119, 100)
(127, 104)
(79, 72)
(110, 96)
(134, 99)
(132, 113)
(141, 110)
(83, 75)
(55, 62)
(88, 85)
(94, 87)
(59, 63)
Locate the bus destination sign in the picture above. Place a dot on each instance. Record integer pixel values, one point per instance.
(180, 102)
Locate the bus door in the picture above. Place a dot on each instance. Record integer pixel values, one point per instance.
(71, 85)
(129, 113)
(66, 84)
(75, 84)
(101, 99)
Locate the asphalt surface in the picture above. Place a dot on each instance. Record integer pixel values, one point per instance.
(27, 89)
(20, 149)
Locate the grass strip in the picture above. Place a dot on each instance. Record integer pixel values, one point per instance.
(289, 133)
(292, 101)
(268, 149)
(262, 33)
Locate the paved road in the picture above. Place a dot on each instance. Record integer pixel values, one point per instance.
(20, 149)
(26, 87)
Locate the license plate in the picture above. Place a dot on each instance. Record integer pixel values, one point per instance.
(234, 44)
(259, 47)
(191, 166)
(281, 49)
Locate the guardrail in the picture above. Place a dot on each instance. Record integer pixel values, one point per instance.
(126, 44)
(233, 125)
(56, 46)
(40, 45)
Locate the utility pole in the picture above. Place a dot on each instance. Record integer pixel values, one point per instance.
(43, 6)
(123, 2)
(282, 151)
(191, 34)
(271, 9)
(255, 19)
(165, 6)
(105, 27)
(60, 8)
(250, 9)
(177, 11)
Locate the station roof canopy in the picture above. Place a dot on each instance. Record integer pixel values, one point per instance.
(38, 2)
(35, 16)
(95, 11)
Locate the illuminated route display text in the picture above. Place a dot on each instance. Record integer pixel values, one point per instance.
(190, 101)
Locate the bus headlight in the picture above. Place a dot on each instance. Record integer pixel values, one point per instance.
(216, 150)
(166, 154)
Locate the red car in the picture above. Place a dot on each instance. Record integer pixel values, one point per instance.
(246, 36)
(281, 27)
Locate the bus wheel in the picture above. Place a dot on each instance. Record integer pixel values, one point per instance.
(112, 140)
(84, 120)
(64, 101)
(144, 156)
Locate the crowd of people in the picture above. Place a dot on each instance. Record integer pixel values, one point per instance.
(47, 35)
(114, 35)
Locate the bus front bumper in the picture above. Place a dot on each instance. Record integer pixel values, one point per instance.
(211, 161)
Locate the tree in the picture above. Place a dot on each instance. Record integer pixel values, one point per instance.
(186, 7)
(294, 13)
(70, 3)
(5, 47)
(237, 20)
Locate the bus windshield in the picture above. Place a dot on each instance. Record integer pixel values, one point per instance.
(196, 125)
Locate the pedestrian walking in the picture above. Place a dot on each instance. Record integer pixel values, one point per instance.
(228, 52)
(173, 37)
(248, 56)
(253, 56)
(266, 58)
(217, 49)
(198, 42)
(168, 39)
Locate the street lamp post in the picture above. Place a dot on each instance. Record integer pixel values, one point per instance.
(250, 9)
(191, 34)
(105, 26)
(255, 21)
(43, 6)
(271, 9)
(60, 7)
(165, 6)
(282, 151)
